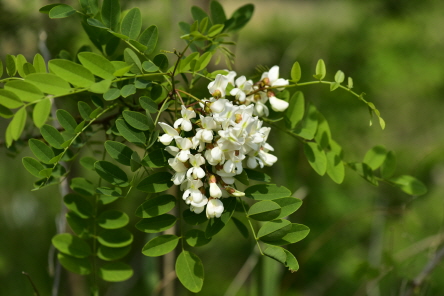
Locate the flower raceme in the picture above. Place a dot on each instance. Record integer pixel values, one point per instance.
(227, 135)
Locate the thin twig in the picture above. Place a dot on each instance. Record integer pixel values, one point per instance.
(427, 270)
(36, 292)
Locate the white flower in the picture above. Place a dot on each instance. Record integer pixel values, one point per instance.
(185, 122)
(193, 193)
(273, 76)
(196, 171)
(184, 144)
(243, 87)
(170, 134)
(180, 170)
(197, 210)
(218, 86)
(214, 208)
(278, 105)
(230, 76)
(215, 190)
(218, 105)
(267, 158)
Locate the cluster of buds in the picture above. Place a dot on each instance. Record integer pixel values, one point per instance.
(226, 136)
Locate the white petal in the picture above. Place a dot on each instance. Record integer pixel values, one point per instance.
(278, 105)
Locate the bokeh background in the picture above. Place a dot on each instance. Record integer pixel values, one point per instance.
(364, 240)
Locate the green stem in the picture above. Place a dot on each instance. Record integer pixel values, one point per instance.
(251, 227)
(190, 95)
(78, 134)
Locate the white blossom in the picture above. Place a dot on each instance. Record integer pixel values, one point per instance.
(214, 208)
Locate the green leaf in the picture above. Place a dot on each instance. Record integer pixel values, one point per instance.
(61, 11)
(41, 150)
(84, 110)
(135, 162)
(160, 245)
(215, 225)
(111, 14)
(149, 66)
(131, 58)
(119, 152)
(198, 13)
(335, 167)
(21, 61)
(243, 178)
(111, 254)
(115, 238)
(41, 112)
(132, 23)
(241, 227)
(80, 266)
(308, 127)
(185, 63)
(215, 30)
(137, 120)
(339, 76)
(112, 219)
(194, 219)
(71, 245)
(296, 72)
(148, 104)
(156, 206)
(26, 91)
(203, 61)
(295, 110)
(323, 134)
(409, 185)
(17, 123)
(115, 271)
(111, 94)
(266, 210)
(257, 176)
(130, 134)
(9, 99)
(95, 23)
(100, 87)
(28, 68)
(45, 9)
(389, 165)
(88, 162)
(296, 233)
(266, 192)
(79, 226)
(240, 18)
(156, 159)
(117, 192)
(161, 61)
(190, 272)
(5, 112)
(1, 68)
(111, 173)
(11, 65)
(274, 230)
(33, 166)
(217, 13)
(49, 83)
(288, 205)
(364, 171)
(156, 224)
(375, 157)
(316, 157)
(128, 90)
(73, 73)
(320, 70)
(79, 205)
(196, 238)
(156, 182)
(97, 64)
(149, 38)
(283, 256)
(66, 120)
(82, 186)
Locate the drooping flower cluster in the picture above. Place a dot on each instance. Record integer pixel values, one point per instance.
(227, 135)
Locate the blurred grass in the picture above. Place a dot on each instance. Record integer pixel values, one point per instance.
(394, 52)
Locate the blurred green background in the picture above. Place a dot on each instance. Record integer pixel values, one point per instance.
(364, 240)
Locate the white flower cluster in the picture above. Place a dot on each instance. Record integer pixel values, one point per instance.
(228, 135)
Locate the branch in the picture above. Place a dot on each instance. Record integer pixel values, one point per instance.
(420, 278)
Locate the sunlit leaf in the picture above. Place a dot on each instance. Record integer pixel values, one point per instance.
(189, 270)
(160, 245)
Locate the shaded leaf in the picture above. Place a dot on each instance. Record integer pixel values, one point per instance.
(80, 266)
(115, 238)
(111, 254)
(160, 245)
(115, 271)
(409, 185)
(274, 230)
(156, 224)
(156, 206)
(112, 219)
(79, 205)
(61, 11)
(288, 205)
(265, 210)
(111, 173)
(316, 157)
(189, 270)
(196, 238)
(111, 14)
(156, 182)
(71, 245)
(149, 38)
(41, 150)
(266, 192)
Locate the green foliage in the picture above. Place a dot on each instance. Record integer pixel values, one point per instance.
(116, 90)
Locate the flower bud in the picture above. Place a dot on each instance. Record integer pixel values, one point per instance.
(215, 190)
(234, 192)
